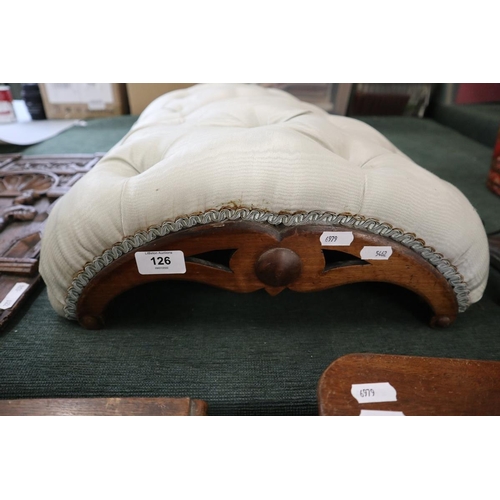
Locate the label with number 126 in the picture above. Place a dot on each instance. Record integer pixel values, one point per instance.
(164, 262)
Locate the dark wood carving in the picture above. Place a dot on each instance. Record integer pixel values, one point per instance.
(28, 187)
(248, 256)
(104, 407)
(424, 386)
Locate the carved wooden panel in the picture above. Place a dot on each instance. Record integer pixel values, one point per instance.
(66, 168)
(29, 185)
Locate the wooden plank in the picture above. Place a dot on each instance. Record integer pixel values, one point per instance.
(424, 386)
(104, 407)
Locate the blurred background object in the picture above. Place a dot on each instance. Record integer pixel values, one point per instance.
(140, 95)
(319, 94)
(332, 97)
(466, 93)
(494, 176)
(30, 93)
(83, 100)
(383, 99)
(7, 114)
(473, 109)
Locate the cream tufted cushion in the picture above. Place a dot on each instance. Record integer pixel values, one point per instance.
(215, 146)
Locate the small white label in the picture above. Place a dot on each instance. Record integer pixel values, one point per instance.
(336, 238)
(381, 413)
(374, 393)
(165, 262)
(12, 297)
(376, 253)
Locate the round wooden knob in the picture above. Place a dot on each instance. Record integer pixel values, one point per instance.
(278, 267)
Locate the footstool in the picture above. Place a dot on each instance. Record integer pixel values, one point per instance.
(245, 188)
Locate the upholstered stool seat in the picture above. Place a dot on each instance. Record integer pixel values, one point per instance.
(241, 152)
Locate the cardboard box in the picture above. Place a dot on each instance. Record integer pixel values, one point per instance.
(83, 100)
(142, 94)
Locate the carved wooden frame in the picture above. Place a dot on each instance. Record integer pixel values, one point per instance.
(263, 256)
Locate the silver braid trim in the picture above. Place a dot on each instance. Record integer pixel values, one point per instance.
(144, 237)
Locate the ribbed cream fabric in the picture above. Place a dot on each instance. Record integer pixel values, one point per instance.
(212, 146)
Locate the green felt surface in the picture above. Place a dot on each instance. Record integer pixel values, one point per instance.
(249, 353)
(477, 121)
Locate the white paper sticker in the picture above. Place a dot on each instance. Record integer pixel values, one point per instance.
(165, 262)
(381, 413)
(336, 238)
(376, 253)
(12, 297)
(379, 392)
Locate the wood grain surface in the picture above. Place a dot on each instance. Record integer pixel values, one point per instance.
(104, 407)
(249, 256)
(424, 386)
